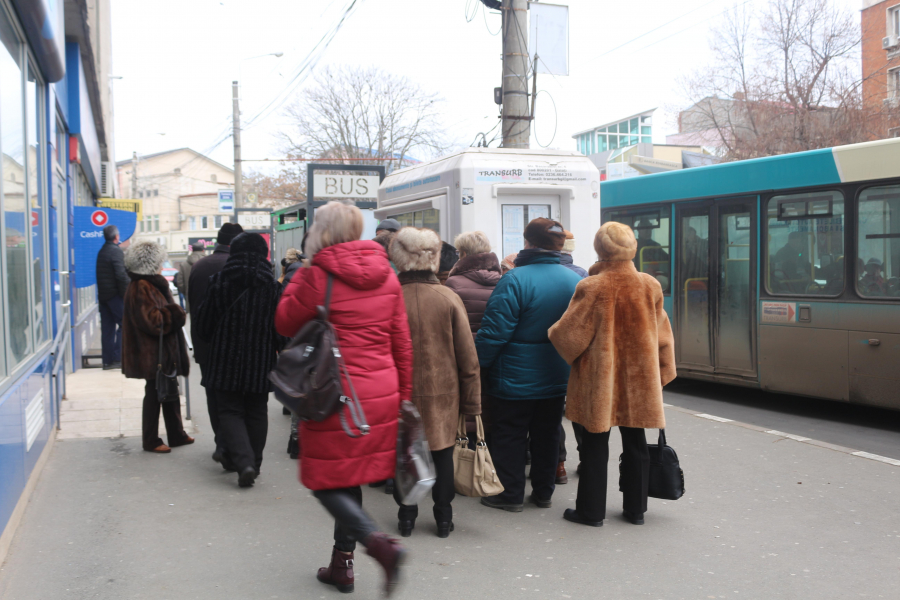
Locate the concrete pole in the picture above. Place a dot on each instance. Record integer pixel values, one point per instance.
(134, 174)
(516, 117)
(236, 118)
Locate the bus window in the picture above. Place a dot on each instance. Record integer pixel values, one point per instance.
(878, 259)
(651, 228)
(806, 244)
(430, 218)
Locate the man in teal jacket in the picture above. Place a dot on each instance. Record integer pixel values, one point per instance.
(525, 375)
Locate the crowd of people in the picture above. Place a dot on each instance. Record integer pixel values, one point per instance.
(520, 342)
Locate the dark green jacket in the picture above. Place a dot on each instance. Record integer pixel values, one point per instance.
(512, 343)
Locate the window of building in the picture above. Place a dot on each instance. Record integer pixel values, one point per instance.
(213, 178)
(893, 82)
(155, 222)
(652, 229)
(156, 192)
(894, 21)
(878, 255)
(806, 244)
(218, 220)
(204, 222)
(515, 218)
(192, 223)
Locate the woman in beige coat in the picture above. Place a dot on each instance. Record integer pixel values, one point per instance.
(617, 337)
(446, 380)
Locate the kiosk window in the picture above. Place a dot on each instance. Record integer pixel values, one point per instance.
(806, 244)
(652, 232)
(515, 218)
(878, 256)
(430, 219)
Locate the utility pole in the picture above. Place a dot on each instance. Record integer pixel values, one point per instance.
(134, 174)
(516, 116)
(236, 118)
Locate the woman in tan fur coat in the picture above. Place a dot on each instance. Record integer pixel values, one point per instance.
(617, 337)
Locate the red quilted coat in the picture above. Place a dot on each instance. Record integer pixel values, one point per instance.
(369, 316)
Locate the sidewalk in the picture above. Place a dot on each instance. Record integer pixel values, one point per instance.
(104, 404)
(765, 516)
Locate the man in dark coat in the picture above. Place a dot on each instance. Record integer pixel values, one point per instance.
(112, 280)
(198, 284)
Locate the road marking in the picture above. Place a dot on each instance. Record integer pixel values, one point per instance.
(790, 436)
(713, 418)
(884, 459)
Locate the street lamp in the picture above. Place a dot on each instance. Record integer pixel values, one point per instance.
(236, 134)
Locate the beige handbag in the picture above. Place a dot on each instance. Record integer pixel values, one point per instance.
(473, 470)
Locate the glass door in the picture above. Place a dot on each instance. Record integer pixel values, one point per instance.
(714, 295)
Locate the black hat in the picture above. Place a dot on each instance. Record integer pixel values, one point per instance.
(228, 233)
(389, 224)
(250, 242)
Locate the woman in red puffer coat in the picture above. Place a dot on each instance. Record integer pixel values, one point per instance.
(369, 317)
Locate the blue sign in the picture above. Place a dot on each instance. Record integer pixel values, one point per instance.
(89, 224)
(226, 201)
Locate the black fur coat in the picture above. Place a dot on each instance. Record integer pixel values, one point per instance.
(237, 320)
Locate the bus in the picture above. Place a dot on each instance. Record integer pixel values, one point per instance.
(780, 273)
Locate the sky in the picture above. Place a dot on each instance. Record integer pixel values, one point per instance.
(177, 59)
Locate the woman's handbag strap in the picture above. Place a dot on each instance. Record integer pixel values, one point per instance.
(479, 427)
(662, 438)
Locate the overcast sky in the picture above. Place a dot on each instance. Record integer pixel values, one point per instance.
(177, 59)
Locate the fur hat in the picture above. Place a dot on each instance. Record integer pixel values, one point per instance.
(228, 232)
(449, 257)
(569, 246)
(509, 262)
(249, 242)
(291, 256)
(145, 257)
(545, 233)
(615, 241)
(416, 250)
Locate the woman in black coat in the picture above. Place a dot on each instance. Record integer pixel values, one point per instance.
(237, 319)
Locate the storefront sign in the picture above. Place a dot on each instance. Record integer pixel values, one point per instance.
(135, 206)
(89, 224)
(531, 173)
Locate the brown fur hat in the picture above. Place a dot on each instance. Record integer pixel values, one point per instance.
(615, 241)
(414, 249)
(545, 233)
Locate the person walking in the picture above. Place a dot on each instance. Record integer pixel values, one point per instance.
(617, 337)
(112, 281)
(475, 276)
(182, 277)
(198, 285)
(237, 320)
(149, 307)
(446, 380)
(526, 377)
(369, 318)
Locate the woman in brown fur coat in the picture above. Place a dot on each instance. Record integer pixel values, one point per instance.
(617, 337)
(148, 307)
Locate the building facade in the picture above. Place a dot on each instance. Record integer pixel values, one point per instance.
(179, 191)
(57, 131)
(881, 62)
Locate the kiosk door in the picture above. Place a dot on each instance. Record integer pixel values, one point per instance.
(715, 291)
(516, 211)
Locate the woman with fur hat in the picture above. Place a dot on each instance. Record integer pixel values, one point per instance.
(445, 365)
(149, 307)
(237, 319)
(617, 337)
(526, 378)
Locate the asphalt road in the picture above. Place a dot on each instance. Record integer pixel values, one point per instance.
(866, 428)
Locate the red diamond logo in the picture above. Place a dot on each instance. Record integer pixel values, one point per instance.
(34, 218)
(99, 218)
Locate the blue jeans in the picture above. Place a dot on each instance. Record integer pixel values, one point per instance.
(111, 329)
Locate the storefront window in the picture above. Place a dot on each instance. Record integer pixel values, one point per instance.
(35, 212)
(15, 236)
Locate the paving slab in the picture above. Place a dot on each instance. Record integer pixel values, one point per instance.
(764, 517)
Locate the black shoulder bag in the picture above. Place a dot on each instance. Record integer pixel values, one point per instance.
(666, 476)
(166, 383)
(307, 376)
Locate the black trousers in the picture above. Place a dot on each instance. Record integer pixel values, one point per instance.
(442, 493)
(513, 422)
(351, 523)
(111, 329)
(150, 419)
(212, 407)
(243, 425)
(591, 500)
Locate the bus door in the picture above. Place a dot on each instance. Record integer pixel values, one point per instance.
(715, 263)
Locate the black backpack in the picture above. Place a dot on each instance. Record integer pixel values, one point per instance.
(307, 376)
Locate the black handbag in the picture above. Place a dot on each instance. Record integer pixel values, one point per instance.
(666, 476)
(166, 383)
(307, 375)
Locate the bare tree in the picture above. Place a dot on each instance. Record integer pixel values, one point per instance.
(286, 187)
(785, 79)
(354, 112)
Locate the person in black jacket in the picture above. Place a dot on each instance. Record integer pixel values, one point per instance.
(237, 320)
(198, 283)
(112, 280)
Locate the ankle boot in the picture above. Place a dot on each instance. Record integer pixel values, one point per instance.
(389, 554)
(293, 448)
(339, 573)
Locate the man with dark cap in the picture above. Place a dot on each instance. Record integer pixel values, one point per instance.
(388, 226)
(112, 280)
(198, 284)
(525, 375)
